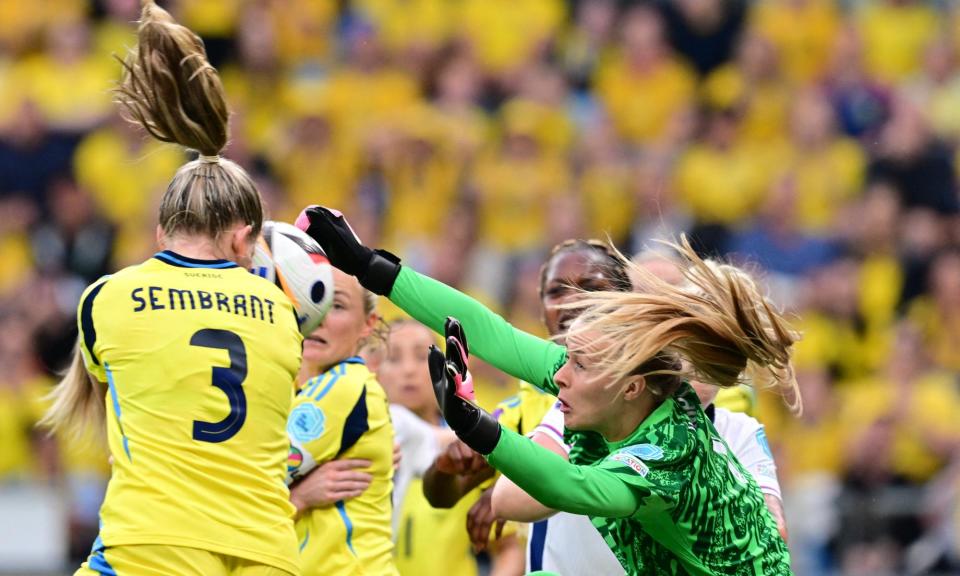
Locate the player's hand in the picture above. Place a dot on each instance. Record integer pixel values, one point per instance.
(329, 483)
(478, 429)
(397, 456)
(376, 270)
(480, 519)
(459, 459)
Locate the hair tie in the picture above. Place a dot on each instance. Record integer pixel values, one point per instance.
(209, 159)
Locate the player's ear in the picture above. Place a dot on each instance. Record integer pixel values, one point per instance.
(370, 324)
(634, 387)
(242, 243)
(161, 238)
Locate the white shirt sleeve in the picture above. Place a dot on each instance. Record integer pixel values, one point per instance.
(552, 426)
(417, 440)
(748, 440)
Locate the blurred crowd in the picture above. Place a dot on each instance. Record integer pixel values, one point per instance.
(815, 141)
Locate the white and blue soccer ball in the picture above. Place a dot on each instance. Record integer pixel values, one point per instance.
(286, 256)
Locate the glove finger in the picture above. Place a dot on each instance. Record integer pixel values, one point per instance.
(457, 354)
(438, 365)
(463, 380)
(452, 327)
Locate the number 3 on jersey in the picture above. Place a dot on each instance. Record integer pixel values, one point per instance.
(229, 379)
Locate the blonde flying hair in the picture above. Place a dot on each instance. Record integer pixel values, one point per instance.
(717, 328)
(171, 91)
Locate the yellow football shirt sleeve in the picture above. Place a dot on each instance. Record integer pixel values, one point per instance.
(88, 331)
(328, 417)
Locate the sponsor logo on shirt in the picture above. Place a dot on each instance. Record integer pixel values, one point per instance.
(644, 451)
(632, 462)
(306, 423)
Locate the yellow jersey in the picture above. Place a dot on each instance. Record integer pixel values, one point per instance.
(343, 414)
(200, 359)
(523, 411)
(434, 541)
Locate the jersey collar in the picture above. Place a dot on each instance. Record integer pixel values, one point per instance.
(354, 360)
(662, 412)
(172, 258)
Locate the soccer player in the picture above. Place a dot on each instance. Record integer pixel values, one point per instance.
(189, 358)
(429, 542)
(513, 351)
(342, 413)
(670, 498)
(569, 544)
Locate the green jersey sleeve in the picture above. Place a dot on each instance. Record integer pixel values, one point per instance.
(490, 337)
(557, 484)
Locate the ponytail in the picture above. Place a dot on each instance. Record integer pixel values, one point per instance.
(77, 402)
(171, 90)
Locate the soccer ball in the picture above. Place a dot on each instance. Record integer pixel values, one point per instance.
(286, 256)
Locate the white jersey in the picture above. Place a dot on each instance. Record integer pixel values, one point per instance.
(747, 439)
(569, 543)
(418, 448)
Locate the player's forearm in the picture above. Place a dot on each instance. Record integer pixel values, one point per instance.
(444, 490)
(492, 338)
(512, 503)
(775, 506)
(559, 485)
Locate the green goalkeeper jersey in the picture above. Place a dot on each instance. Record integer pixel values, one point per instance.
(670, 499)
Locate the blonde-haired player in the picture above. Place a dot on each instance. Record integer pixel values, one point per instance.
(341, 413)
(189, 358)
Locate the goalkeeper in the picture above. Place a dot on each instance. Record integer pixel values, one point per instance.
(669, 499)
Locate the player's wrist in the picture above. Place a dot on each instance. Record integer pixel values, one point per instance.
(381, 272)
(483, 435)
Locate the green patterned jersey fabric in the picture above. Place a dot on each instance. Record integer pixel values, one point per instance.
(669, 500)
(585, 447)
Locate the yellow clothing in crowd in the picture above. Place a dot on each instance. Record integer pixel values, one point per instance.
(210, 18)
(504, 34)
(643, 103)
(126, 174)
(923, 413)
(608, 196)
(941, 331)
(895, 37)
(513, 195)
(722, 186)
(411, 24)
(764, 104)
(17, 419)
(304, 31)
(67, 93)
(804, 34)
(824, 180)
(832, 342)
